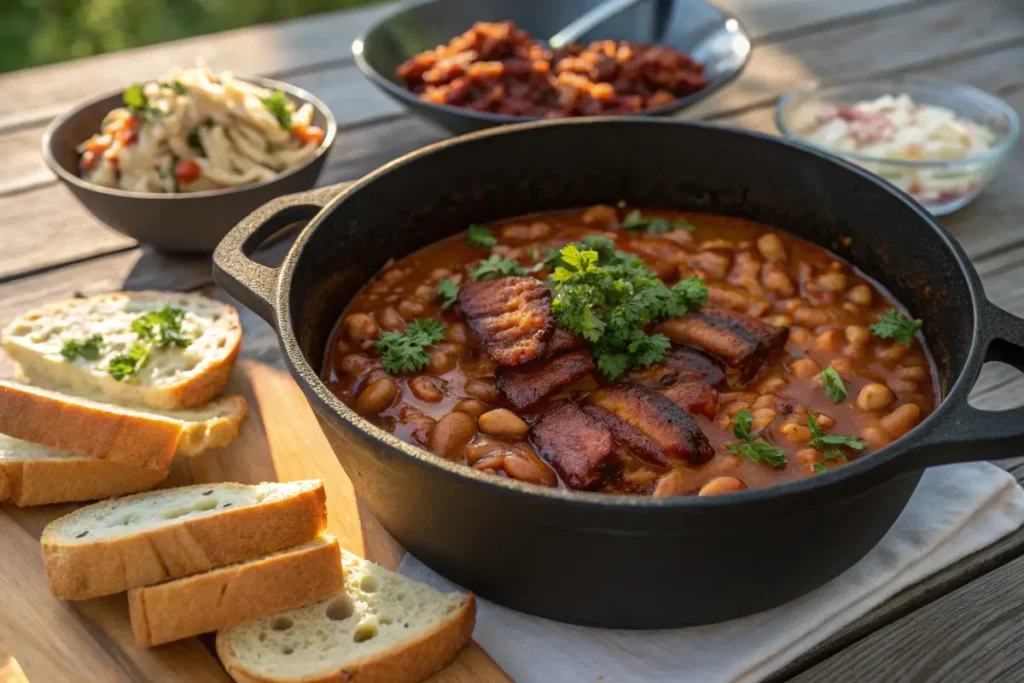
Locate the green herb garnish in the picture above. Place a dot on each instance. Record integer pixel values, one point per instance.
(819, 468)
(635, 220)
(833, 385)
(130, 363)
(195, 143)
(277, 103)
(480, 236)
(754, 447)
(608, 297)
(831, 446)
(447, 292)
(407, 351)
(135, 98)
(162, 327)
(88, 349)
(894, 325)
(176, 86)
(496, 266)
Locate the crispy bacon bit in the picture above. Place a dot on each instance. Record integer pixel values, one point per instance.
(696, 398)
(561, 340)
(738, 340)
(525, 385)
(629, 438)
(576, 445)
(682, 365)
(665, 423)
(511, 315)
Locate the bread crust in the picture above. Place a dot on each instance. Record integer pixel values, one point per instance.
(81, 570)
(96, 430)
(198, 437)
(71, 480)
(231, 595)
(412, 662)
(190, 391)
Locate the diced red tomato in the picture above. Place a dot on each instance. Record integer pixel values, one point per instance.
(89, 159)
(98, 143)
(129, 131)
(307, 134)
(186, 170)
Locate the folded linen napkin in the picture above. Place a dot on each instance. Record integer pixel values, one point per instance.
(955, 511)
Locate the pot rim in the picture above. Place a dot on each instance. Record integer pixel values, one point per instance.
(835, 478)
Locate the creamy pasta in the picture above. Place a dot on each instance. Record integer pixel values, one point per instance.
(195, 130)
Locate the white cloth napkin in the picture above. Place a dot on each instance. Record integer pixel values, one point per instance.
(955, 511)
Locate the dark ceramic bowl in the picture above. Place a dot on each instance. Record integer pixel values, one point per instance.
(194, 221)
(712, 37)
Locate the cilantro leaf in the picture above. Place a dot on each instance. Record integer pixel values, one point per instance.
(405, 352)
(176, 86)
(195, 142)
(833, 385)
(635, 220)
(135, 98)
(131, 362)
(496, 266)
(760, 451)
(819, 468)
(480, 236)
(447, 292)
(88, 349)
(687, 295)
(277, 103)
(683, 224)
(741, 425)
(831, 446)
(894, 325)
(162, 327)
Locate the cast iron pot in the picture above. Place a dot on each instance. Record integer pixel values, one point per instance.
(619, 561)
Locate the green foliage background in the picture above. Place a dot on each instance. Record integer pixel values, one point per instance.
(34, 32)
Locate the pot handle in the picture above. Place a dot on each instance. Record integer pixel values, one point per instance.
(968, 433)
(252, 283)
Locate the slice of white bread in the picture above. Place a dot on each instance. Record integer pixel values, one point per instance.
(31, 474)
(152, 537)
(96, 430)
(174, 377)
(211, 425)
(235, 594)
(383, 628)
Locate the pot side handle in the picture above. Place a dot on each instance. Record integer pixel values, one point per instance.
(252, 283)
(969, 433)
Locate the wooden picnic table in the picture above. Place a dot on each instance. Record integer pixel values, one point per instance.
(959, 624)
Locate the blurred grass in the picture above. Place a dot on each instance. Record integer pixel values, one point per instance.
(34, 32)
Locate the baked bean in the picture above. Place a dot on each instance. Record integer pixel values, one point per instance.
(913, 373)
(778, 320)
(855, 350)
(483, 390)
(723, 422)
(528, 470)
(727, 298)
(892, 352)
(356, 363)
(828, 340)
(451, 435)
(808, 456)
(858, 334)
(804, 368)
(824, 421)
(771, 247)
(601, 213)
(714, 265)
(640, 477)
(766, 401)
(874, 397)
(482, 448)
(393, 275)
(421, 423)
(728, 397)
(377, 396)
(734, 408)
(503, 422)
(720, 485)
(671, 484)
(790, 305)
(777, 281)
(875, 437)
(491, 465)
(900, 420)
(471, 407)
(851, 307)
(440, 274)
(410, 309)
(771, 385)
(390, 320)
(859, 294)
(441, 362)
(758, 308)
(457, 333)
(762, 418)
(799, 335)
(522, 232)
(901, 386)
(426, 388)
(797, 433)
(717, 243)
(425, 293)
(832, 281)
(361, 330)
(811, 317)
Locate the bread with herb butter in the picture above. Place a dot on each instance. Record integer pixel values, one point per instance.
(180, 348)
(383, 628)
(31, 474)
(147, 538)
(232, 595)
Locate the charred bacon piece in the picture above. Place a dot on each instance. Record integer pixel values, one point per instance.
(629, 438)
(696, 398)
(511, 315)
(681, 365)
(658, 418)
(738, 340)
(577, 446)
(561, 340)
(525, 385)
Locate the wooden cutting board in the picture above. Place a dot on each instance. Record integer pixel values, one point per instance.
(80, 642)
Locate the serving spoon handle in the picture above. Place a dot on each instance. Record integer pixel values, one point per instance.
(588, 20)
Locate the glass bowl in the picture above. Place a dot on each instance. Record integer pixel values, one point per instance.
(941, 186)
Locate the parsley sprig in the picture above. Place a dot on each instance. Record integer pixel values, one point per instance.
(277, 103)
(635, 220)
(495, 266)
(831, 446)
(176, 86)
(480, 236)
(753, 446)
(403, 352)
(88, 349)
(894, 325)
(155, 329)
(608, 297)
(833, 385)
(447, 293)
(134, 98)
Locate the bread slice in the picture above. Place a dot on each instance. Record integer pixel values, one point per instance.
(174, 377)
(235, 594)
(211, 425)
(31, 474)
(383, 628)
(96, 430)
(152, 537)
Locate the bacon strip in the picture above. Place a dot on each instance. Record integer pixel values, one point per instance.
(682, 365)
(657, 417)
(696, 398)
(577, 446)
(561, 340)
(628, 437)
(738, 340)
(511, 315)
(523, 386)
